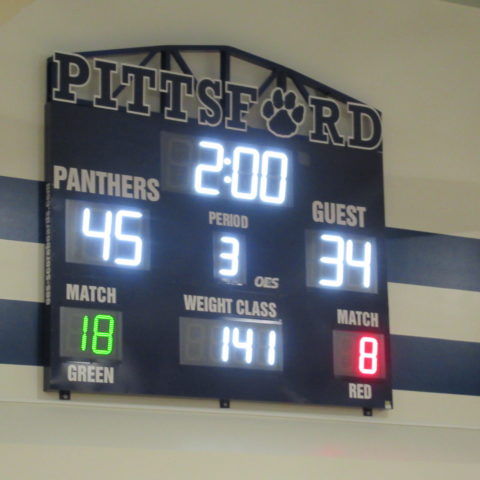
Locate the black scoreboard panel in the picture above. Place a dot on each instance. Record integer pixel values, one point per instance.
(202, 262)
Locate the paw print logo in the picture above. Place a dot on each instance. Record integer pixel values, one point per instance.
(282, 114)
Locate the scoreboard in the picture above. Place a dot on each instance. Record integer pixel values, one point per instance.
(204, 261)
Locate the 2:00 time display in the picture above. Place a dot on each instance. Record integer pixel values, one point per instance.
(226, 170)
(253, 177)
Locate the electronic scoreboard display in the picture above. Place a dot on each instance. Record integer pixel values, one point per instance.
(205, 261)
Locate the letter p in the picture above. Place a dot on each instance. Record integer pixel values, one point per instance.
(71, 70)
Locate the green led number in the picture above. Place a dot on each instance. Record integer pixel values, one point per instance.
(98, 334)
(108, 335)
(83, 345)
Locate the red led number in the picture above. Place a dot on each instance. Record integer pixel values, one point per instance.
(368, 356)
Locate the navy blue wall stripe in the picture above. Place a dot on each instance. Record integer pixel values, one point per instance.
(22, 210)
(413, 257)
(21, 335)
(433, 260)
(435, 365)
(419, 364)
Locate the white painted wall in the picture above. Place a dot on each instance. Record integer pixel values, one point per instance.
(418, 61)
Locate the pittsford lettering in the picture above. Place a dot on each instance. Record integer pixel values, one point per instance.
(217, 102)
(326, 119)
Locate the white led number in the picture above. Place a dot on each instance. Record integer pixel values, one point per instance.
(226, 344)
(122, 237)
(231, 256)
(282, 179)
(253, 177)
(345, 258)
(106, 235)
(238, 154)
(234, 340)
(366, 263)
(337, 261)
(243, 346)
(272, 343)
(202, 168)
(247, 345)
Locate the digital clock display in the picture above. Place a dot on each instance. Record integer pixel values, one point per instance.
(207, 166)
(201, 261)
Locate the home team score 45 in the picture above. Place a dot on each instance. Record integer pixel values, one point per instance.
(189, 254)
